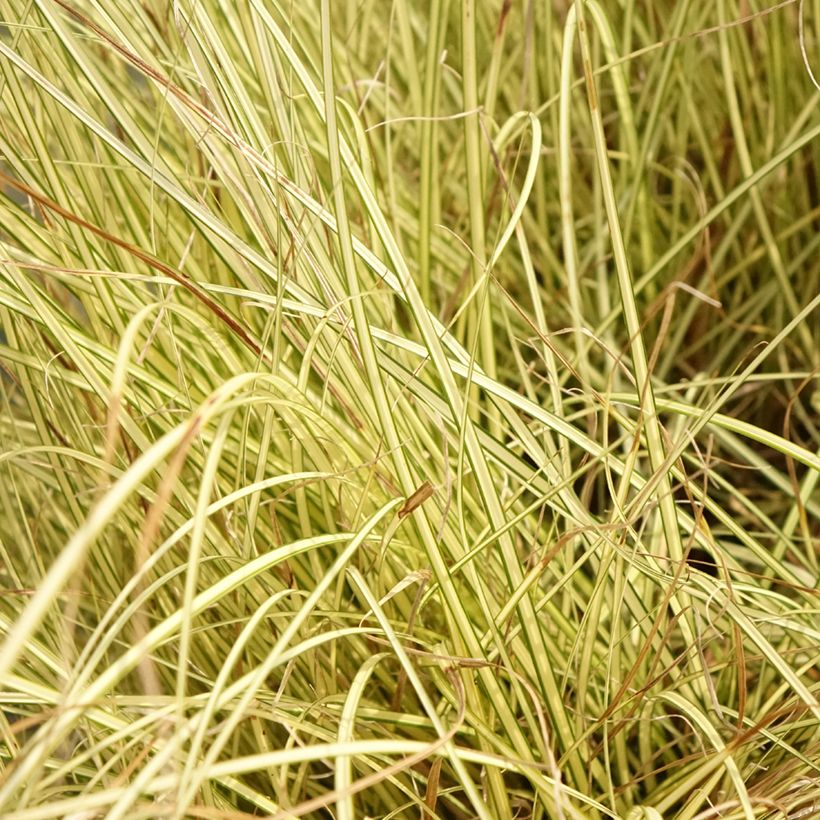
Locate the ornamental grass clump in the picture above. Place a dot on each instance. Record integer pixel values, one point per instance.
(409, 409)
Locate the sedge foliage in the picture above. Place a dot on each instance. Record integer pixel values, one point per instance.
(409, 409)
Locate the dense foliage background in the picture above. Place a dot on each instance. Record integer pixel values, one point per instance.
(409, 409)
